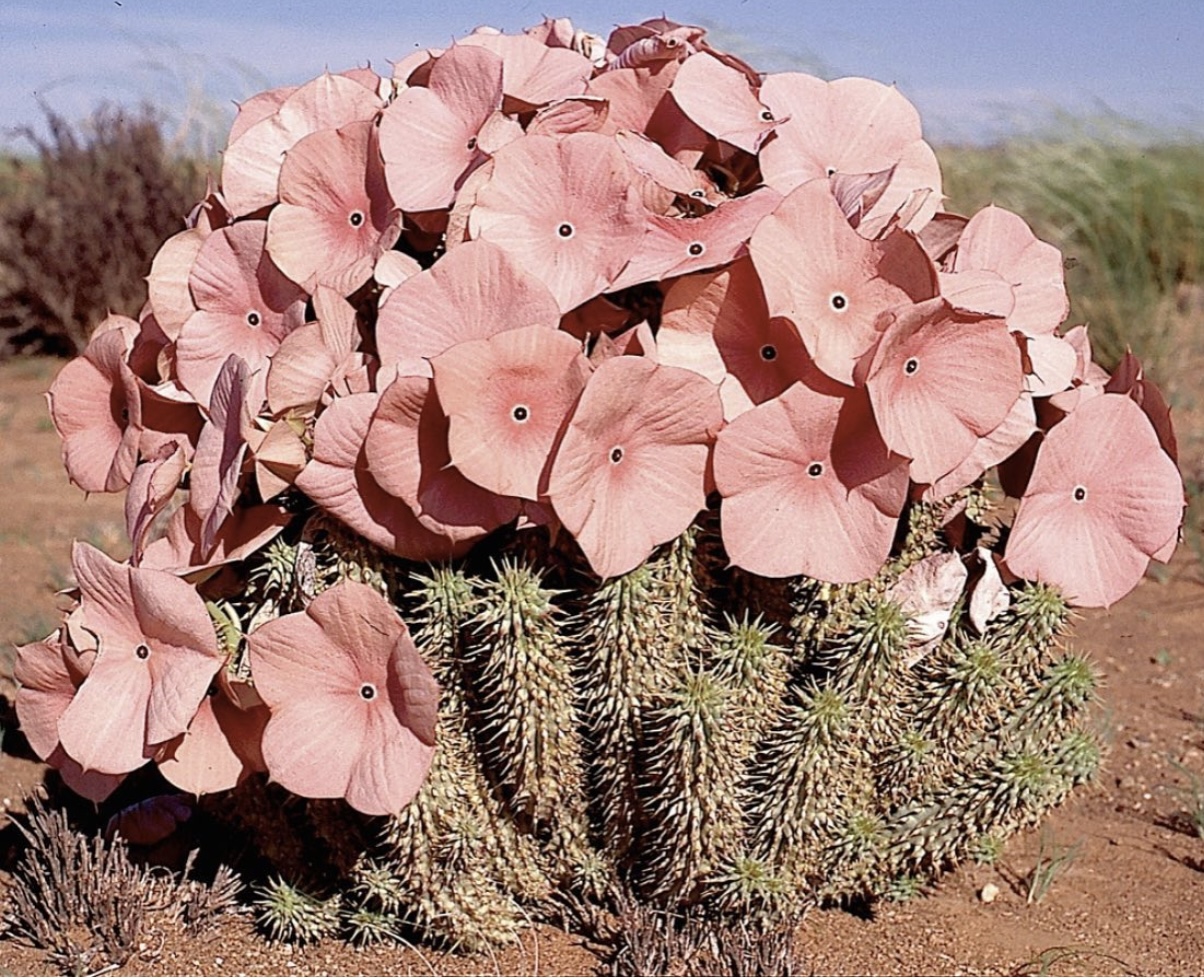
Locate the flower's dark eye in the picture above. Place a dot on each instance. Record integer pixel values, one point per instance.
(253, 318)
(766, 115)
(356, 218)
(616, 455)
(831, 171)
(696, 248)
(815, 470)
(566, 230)
(472, 144)
(698, 193)
(1080, 493)
(520, 413)
(769, 352)
(911, 366)
(142, 651)
(368, 691)
(672, 42)
(838, 301)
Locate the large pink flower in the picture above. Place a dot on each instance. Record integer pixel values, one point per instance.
(407, 455)
(338, 480)
(566, 208)
(245, 305)
(809, 487)
(272, 126)
(939, 382)
(507, 398)
(832, 283)
(335, 218)
(429, 136)
(472, 292)
(719, 99)
(48, 673)
(1102, 500)
(630, 472)
(156, 654)
(353, 706)
(998, 247)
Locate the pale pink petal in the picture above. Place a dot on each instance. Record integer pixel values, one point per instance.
(338, 480)
(474, 291)
(851, 125)
(990, 597)
(335, 217)
(251, 163)
(167, 284)
(832, 283)
(97, 411)
(246, 306)
(809, 487)
(565, 208)
(939, 382)
(1103, 498)
(1000, 241)
(507, 399)
(720, 101)
(673, 246)
(407, 455)
(534, 74)
(630, 472)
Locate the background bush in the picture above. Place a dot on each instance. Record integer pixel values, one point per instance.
(80, 221)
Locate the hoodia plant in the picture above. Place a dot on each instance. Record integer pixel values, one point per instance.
(609, 470)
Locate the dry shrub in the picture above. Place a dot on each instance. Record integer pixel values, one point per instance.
(644, 940)
(83, 901)
(80, 222)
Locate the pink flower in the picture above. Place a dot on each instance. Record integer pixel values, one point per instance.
(156, 654)
(335, 218)
(245, 306)
(630, 472)
(96, 407)
(1102, 500)
(353, 706)
(829, 281)
(809, 487)
(566, 208)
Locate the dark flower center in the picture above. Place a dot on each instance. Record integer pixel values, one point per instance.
(831, 171)
(698, 192)
(815, 469)
(911, 366)
(839, 301)
(142, 651)
(253, 318)
(520, 413)
(368, 691)
(566, 230)
(696, 248)
(616, 455)
(1080, 493)
(472, 144)
(766, 115)
(769, 352)
(356, 218)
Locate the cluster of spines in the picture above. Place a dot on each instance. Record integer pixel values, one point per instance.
(628, 735)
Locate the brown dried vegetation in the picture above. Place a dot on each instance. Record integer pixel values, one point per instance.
(80, 222)
(87, 905)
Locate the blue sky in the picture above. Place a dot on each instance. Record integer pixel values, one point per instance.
(974, 69)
